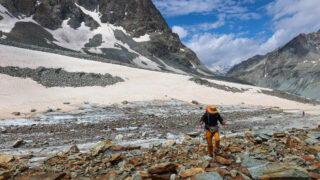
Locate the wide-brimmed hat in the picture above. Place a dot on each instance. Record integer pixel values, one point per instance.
(212, 109)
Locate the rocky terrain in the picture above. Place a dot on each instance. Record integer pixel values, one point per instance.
(293, 67)
(130, 32)
(50, 77)
(158, 140)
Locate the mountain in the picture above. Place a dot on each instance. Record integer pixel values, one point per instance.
(295, 67)
(130, 32)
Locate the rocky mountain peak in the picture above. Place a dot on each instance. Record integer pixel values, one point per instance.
(132, 32)
(293, 68)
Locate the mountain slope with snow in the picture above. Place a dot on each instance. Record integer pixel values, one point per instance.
(131, 32)
(293, 68)
(22, 94)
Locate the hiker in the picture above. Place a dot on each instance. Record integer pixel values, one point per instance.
(211, 118)
(303, 113)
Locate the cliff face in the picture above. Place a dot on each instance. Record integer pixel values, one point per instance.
(129, 31)
(294, 68)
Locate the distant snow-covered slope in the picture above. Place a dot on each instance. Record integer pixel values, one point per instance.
(20, 94)
(131, 32)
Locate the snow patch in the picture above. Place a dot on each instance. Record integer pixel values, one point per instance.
(9, 21)
(143, 38)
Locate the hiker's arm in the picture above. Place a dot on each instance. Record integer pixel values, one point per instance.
(222, 121)
(202, 120)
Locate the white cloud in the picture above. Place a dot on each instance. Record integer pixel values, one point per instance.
(209, 26)
(180, 31)
(184, 7)
(289, 18)
(224, 49)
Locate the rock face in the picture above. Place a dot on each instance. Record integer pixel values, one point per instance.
(131, 32)
(294, 68)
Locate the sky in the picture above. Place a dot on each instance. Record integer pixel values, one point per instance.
(226, 32)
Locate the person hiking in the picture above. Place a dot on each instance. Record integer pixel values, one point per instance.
(211, 118)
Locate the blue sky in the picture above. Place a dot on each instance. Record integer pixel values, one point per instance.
(226, 32)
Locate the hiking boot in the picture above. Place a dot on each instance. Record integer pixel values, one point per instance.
(216, 152)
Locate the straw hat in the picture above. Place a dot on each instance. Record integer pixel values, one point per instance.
(212, 109)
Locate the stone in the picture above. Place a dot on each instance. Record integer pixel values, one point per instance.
(278, 135)
(222, 160)
(311, 141)
(16, 113)
(250, 162)
(144, 134)
(3, 130)
(33, 110)
(278, 171)
(191, 172)
(125, 102)
(74, 149)
(208, 176)
(233, 173)
(173, 176)
(169, 143)
(314, 175)
(49, 110)
(18, 143)
(195, 102)
(308, 157)
(235, 149)
(193, 134)
(294, 160)
(4, 175)
(315, 135)
(119, 137)
(289, 143)
(313, 149)
(163, 168)
(257, 140)
(102, 147)
(115, 158)
(318, 156)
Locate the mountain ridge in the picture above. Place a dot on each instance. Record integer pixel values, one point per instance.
(294, 67)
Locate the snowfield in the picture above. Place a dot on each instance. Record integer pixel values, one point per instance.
(21, 95)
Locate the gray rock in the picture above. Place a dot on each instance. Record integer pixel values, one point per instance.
(195, 102)
(3, 130)
(311, 141)
(294, 160)
(33, 110)
(278, 171)
(208, 176)
(16, 113)
(318, 156)
(250, 162)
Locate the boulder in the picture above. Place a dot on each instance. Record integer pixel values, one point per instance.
(191, 172)
(313, 149)
(250, 162)
(311, 141)
(279, 135)
(102, 147)
(208, 176)
(5, 158)
(294, 160)
(74, 149)
(278, 171)
(162, 168)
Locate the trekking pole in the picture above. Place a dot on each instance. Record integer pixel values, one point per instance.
(225, 140)
(199, 144)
